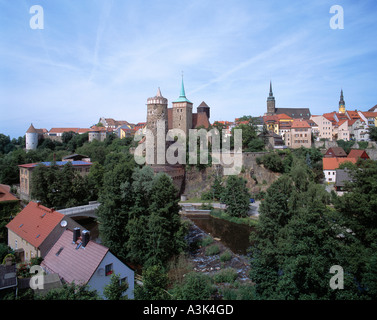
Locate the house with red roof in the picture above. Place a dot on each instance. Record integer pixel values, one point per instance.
(6, 195)
(76, 258)
(331, 164)
(301, 134)
(33, 231)
(335, 152)
(355, 153)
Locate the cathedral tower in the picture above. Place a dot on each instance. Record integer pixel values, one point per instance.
(271, 103)
(182, 112)
(342, 104)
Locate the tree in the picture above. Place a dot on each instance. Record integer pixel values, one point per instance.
(236, 196)
(115, 289)
(299, 238)
(195, 286)
(155, 282)
(113, 213)
(70, 291)
(59, 187)
(372, 133)
(155, 230)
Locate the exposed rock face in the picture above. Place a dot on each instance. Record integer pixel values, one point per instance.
(258, 178)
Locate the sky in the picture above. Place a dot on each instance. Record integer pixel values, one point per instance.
(104, 58)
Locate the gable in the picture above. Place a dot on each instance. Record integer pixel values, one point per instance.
(73, 262)
(34, 223)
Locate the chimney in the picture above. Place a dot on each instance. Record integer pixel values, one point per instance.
(85, 237)
(38, 203)
(76, 234)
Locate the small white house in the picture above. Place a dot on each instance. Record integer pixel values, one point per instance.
(78, 259)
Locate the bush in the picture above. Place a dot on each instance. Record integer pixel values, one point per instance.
(212, 250)
(226, 256)
(273, 162)
(206, 241)
(196, 286)
(228, 275)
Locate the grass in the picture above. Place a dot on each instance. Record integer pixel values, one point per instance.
(228, 275)
(226, 256)
(212, 250)
(206, 241)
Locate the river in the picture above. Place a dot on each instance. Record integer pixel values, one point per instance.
(233, 235)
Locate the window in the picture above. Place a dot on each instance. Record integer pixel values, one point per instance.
(108, 269)
(123, 280)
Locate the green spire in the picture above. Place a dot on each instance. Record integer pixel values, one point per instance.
(182, 96)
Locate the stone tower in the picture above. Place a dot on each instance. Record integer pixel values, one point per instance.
(182, 112)
(271, 103)
(203, 107)
(342, 104)
(157, 123)
(31, 138)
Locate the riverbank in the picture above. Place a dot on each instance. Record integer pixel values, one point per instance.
(202, 245)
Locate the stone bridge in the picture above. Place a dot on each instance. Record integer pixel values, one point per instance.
(82, 211)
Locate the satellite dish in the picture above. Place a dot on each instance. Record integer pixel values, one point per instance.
(63, 223)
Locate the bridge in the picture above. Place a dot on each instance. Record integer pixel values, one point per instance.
(82, 211)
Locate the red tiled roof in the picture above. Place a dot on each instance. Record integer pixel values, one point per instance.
(74, 263)
(333, 163)
(5, 194)
(336, 152)
(369, 114)
(60, 130)
(342, 121)
(273, 118)
(300, 124)
(356, 153)
(34, 223)
(283, 116)
(353, 114)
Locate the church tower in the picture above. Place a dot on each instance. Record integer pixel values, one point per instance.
(342, 104)
(182, 112)
(271, 102)
(157, 114)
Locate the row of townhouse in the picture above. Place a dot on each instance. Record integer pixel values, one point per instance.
(68, 252)
(99, 132)
(295, 133)
(351, 125)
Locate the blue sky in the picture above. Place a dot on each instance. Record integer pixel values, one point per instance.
(105, 58)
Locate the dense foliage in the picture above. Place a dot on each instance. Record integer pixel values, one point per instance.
(300, 237)
(139, 215)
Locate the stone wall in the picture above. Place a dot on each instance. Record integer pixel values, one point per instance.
(258, 178)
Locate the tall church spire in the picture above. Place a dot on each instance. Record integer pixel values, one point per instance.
(271, 102)
(342, 104)
(182, 95)
(271, 94)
